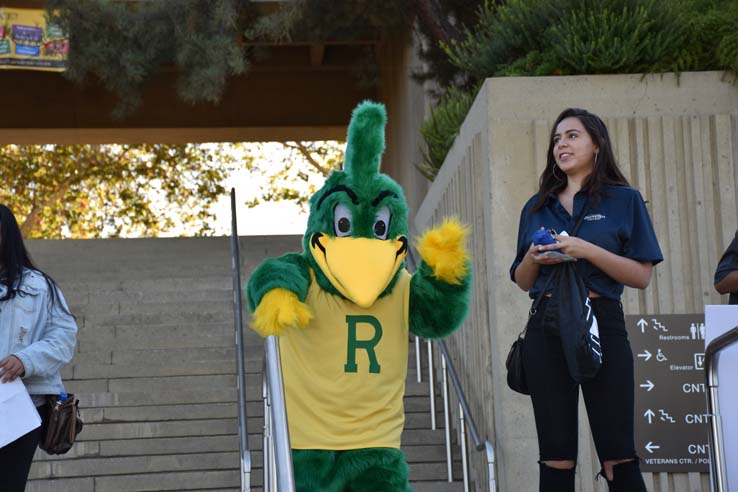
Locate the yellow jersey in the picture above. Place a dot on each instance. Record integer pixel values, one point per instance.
(344, 374)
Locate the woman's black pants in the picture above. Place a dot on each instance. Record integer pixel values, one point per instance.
(15, 461)
(608, 397)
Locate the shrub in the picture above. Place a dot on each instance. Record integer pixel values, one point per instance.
(441, 128)
(571, 37)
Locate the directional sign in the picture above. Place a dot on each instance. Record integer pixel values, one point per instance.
(671, 424)
(646, 355)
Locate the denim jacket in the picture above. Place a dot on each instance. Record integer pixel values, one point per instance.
(43, 337)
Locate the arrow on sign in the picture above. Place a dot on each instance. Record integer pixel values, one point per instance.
(651, 446)
(649, 415)
(646, 355)
(648, 385)
(642, 324)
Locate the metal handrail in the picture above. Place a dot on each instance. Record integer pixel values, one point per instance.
(717, 463)
(241, 380)
(465, 415)
(278, 473)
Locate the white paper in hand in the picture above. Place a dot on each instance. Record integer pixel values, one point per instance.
(18, 415)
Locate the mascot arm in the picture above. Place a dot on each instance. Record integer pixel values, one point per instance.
(440, 288)
(276, 293)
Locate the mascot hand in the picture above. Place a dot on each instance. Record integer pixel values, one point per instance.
(279, 309)
(443, 249)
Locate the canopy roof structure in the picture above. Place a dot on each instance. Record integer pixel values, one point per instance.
(301, 91)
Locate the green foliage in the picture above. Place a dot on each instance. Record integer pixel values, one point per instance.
(328, 20)
(555, 37)
(123, 44)
(571, 37)
(111, 190)
(440, 129)
(435, 21)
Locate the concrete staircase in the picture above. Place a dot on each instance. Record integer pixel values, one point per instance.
(155, 370)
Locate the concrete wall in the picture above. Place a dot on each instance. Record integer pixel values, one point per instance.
(675, 140)
(406, 103)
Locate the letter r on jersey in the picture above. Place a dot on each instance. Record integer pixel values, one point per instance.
(353, 344)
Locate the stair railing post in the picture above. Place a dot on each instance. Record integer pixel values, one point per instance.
(431, 385)
(447, 419)
(465, 416)
(490, 451)
(418, 370)
(241, 379)
(285, 479)
(464, 463)
(266, 446)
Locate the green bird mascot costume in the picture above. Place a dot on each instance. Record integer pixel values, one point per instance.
(344, 309)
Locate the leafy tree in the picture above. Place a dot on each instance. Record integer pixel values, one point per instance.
(123, 44)
(296, 170)
(112, 190)
(437, 21)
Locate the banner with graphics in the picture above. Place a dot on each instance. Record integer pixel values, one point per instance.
(27, 43)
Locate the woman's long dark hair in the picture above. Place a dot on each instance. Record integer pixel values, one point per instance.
(14, 258)
(604, 173)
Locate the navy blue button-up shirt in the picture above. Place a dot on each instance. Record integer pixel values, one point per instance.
(619, 223)
(729, 263)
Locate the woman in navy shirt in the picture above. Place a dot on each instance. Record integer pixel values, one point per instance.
(614, 246)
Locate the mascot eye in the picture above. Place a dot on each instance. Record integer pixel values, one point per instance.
(381, 223)
(342, 220)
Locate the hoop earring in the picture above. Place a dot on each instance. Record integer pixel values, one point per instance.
(595, 162)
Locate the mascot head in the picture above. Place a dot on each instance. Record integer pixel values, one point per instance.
(356, 238)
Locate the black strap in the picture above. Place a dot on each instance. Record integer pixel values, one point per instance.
(574, 231)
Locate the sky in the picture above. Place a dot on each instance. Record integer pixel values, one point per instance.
(265, 219)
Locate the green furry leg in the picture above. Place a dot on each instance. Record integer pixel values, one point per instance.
(357, 470)
(313, 469)
(372, 470)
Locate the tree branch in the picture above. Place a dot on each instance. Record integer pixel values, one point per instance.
(299, 146)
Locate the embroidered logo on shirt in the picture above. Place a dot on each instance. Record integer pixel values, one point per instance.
(592, 217)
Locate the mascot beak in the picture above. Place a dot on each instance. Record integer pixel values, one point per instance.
(359, 268)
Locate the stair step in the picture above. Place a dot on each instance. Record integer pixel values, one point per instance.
(438, 486)
(183, 304)
(153, 319)
(194, 292)
(127, 465)
(84, 371)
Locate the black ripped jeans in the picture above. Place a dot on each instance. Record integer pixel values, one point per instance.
(609, 397)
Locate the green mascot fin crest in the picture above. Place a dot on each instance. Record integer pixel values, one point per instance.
(365, 143)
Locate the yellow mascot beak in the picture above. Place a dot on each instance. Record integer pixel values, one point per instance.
(359, 268)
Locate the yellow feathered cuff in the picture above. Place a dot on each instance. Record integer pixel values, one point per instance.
(278, 310)
(444, 250)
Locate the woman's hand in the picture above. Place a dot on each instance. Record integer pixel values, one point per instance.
(540, 256)
(11, 367)
(569, 245)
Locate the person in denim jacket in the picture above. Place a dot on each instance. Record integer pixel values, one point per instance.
(37, 338)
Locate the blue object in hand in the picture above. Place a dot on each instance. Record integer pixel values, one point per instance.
(543, 237)
(63, 396)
